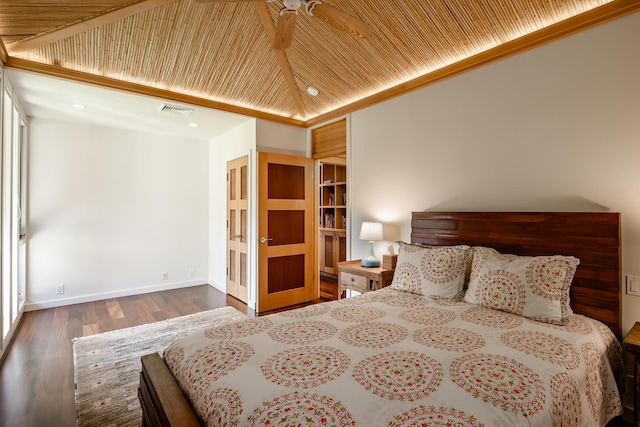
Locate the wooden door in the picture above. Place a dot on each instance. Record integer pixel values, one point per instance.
(286, 254)
(237, 227)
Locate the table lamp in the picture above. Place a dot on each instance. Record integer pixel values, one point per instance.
(371, 231)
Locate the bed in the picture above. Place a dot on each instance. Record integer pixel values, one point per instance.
(407, 355)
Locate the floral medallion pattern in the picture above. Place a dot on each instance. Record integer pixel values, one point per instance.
(479, 257)
(399, 375)
(174, 357)
(491, 318)
(501, 381)
(301, 410)
(302, 332)
(431, 270)
(501, 290)
(428, 316)
(575, 323)
(305, 367)
(543, 346)
(596, 378)
(443, 265)
(407, 277)
(404, 299)
(414, 248)
(547, 277)
(214, 361)
(450, 339)
(362, 299)
(448, 302)
(357, 314)
(373, 334)
(393, 358)
(614, 349)
(565, 398)
(430, 416)
(222, 407)
(242, 328)
(308, 311)
(613, 402)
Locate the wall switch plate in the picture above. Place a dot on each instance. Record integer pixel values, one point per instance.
(633, 285)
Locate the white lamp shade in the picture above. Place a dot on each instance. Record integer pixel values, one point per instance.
(371, 231)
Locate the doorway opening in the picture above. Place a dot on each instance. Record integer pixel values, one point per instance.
(329, 149)
(332, 222)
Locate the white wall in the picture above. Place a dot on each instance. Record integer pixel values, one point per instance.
(110, 210)
(279, 138)
(554, 128)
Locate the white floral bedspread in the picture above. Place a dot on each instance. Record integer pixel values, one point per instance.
(390, 358)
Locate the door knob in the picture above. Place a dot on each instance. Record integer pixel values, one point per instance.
(264, 239)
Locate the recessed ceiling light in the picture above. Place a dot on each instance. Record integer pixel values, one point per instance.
(313, 91)
(79, 106)
(193, 125)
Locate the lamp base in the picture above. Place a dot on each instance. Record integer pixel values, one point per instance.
(370, 260)
(370, 263)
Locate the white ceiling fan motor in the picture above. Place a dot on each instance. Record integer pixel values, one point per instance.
(292, 4)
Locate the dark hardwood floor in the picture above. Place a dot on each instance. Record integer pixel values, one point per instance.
(36, 375)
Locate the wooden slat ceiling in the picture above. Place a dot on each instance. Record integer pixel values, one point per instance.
(221, 55)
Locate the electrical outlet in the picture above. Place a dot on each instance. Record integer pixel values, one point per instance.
(164, 276)
(192, 272)
(59, 289)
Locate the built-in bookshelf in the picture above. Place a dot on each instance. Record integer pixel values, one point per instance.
(333, 217)
(333, 196)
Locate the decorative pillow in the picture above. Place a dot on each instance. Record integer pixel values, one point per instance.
(431, 270)
(533, 287)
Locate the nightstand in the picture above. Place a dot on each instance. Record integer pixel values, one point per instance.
(631, 343)
(351, 275)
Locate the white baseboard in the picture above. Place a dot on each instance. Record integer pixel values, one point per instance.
(221, 288)
(32, 306)
(251, 303)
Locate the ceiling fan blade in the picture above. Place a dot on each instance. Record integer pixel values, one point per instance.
(222, 1)
(338, 19)
(285, 29)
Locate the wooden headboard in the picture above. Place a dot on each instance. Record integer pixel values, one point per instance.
(594, 238)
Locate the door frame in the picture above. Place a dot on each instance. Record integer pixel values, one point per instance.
(327, 155)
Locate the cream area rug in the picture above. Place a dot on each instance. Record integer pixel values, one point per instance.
(107, 366)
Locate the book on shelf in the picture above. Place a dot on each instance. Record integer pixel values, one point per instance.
(344, 199)
(328, 220)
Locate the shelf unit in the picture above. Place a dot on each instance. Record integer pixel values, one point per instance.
(333, 217)
(333, 197)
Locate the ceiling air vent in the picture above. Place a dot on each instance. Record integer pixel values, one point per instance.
(175, 109)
